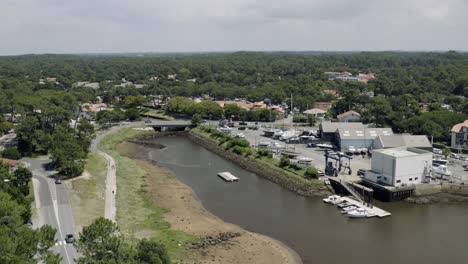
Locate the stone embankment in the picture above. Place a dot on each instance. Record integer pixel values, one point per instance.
(293, 183)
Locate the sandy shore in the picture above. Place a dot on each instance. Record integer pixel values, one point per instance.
(188, 214)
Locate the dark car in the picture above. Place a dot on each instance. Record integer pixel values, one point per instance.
(70, 239)
(147, 121)
(361, 172)
(311, 145)
(242, 123)
(58, 181)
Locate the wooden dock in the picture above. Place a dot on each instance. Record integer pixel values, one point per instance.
(371, 209)
(227, 176)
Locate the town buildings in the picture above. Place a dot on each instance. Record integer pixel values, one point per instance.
(317, 112)
(400, 166)
(459, 135)
(350, 116)
(347, 76)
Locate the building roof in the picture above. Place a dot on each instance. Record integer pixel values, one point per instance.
(351, 112)
(363, 133)
(10, 162)
(415, 141)
(402, 152)
(331, 127)
(314, 111)
(459, 127)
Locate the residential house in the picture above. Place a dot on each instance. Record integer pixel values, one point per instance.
(323, 105)
(12, 164)
(317, 112)
(459, 135)
(94, 108)
(350, 116)
(93, 85)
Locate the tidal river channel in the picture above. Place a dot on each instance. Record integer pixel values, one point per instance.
(318, 232)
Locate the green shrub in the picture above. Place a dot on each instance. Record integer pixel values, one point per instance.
(264, 153)
(311, 173)
(294, 166)
(238, 150)
(284, 161)
(11, 153)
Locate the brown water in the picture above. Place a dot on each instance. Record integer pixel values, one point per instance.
(318, 232)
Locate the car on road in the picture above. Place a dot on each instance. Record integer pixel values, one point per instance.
(147, 121)
(58, 181)
(70, 239)
(240, 135)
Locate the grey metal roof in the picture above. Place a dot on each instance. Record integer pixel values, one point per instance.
(416, 141)
(363, 133)
(331, 127)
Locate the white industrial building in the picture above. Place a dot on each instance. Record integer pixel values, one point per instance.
(359, 137)
(400, 166)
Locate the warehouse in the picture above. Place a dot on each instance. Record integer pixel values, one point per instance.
(328, 129)
(359, 137)
(400, 166)
(402, 140)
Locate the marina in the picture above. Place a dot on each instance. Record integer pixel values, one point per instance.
(359, 209)
(227, 176)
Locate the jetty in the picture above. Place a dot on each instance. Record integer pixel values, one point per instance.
(370, 208)
(227, 176)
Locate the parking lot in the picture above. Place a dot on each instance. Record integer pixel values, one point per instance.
(317, 154)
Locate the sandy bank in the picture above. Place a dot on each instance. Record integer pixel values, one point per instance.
(188, 214)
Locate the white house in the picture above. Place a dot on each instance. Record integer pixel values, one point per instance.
(400, 166)
(459, 135)
(350, 116)
(317, 112)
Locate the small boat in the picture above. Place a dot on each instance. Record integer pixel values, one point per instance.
(304, 159)
(441, 172)
(240, 135)
(264, 144)
(268, 132)
(278, 133)
(325, 146)
(360, 213)
(331, 199)
(348, 209)
(344, 204)
(439, 161)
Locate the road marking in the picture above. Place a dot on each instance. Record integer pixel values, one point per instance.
(60, 243)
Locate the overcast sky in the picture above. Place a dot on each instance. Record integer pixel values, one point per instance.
(96, 26)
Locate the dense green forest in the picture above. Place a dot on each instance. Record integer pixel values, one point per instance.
(404, 81)
(19, 243)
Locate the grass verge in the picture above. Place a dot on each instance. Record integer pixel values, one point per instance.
(135, 212)
(87, 191)
(157, 114)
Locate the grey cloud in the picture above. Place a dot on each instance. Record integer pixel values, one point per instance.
(67, 26)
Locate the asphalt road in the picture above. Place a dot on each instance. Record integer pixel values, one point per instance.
(53, 207)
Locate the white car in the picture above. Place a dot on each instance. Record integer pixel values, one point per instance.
(240, 135)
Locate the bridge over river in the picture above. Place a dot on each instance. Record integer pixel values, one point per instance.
(178, 125)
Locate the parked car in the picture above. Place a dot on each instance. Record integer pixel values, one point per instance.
(242, 123)
(58, 180)
(70, 239)
(147, 121)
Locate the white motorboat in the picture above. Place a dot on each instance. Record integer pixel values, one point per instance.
(439, 161)
(362, 150)
(264, 144)
(269, 132)
(348, 209)
(359, 213)
(240, 135)
(325, 146)
(441, 172)
(332, 199)
(304, 160)
(344, 204)
(278, 133)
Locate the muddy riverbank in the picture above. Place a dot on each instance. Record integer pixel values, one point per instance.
(186, 213)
